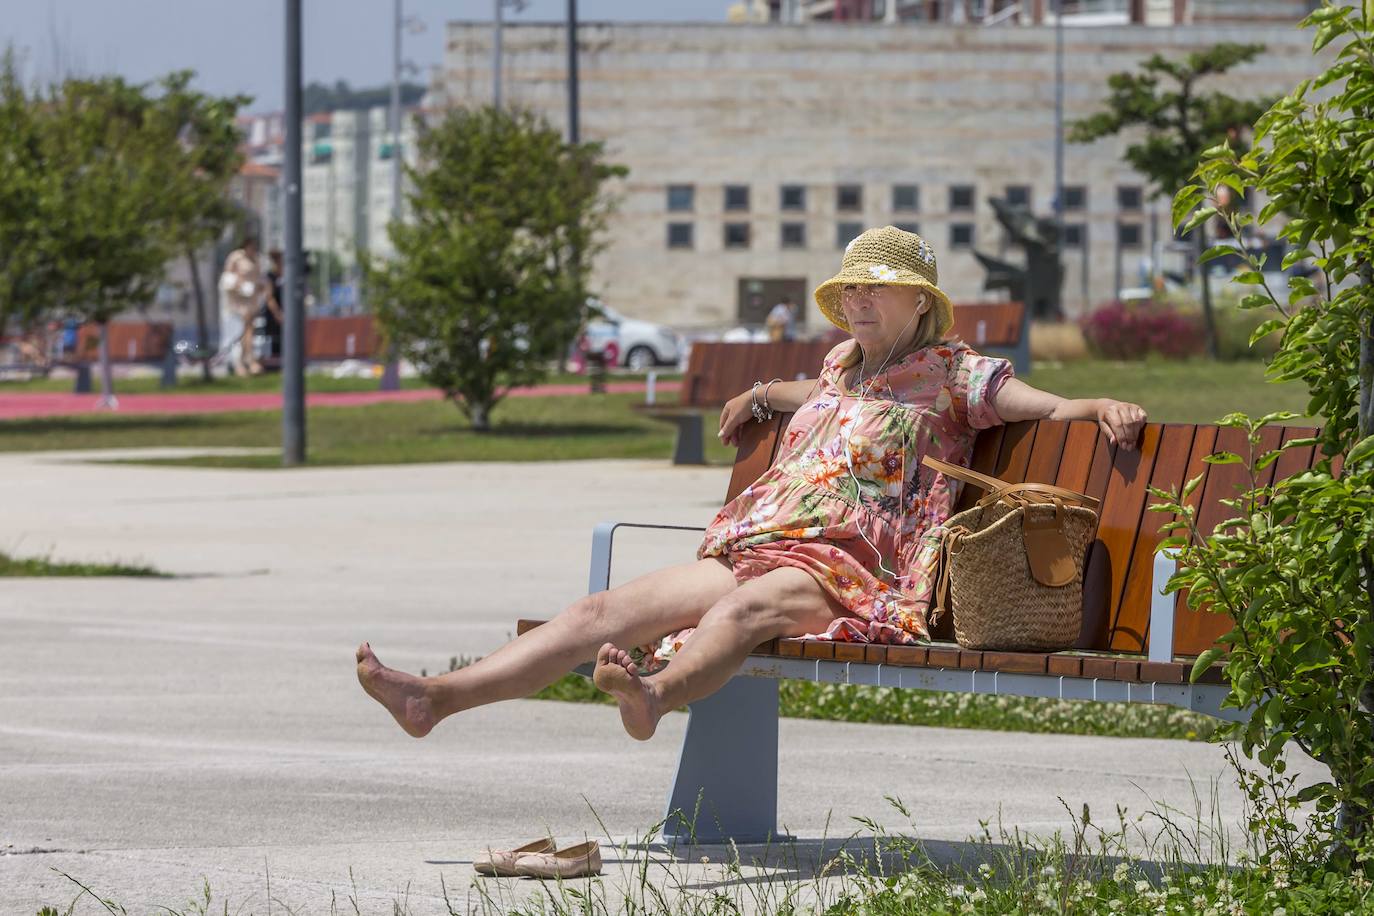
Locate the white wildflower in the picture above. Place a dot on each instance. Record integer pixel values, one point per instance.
(1142, 886)
(1121, 871)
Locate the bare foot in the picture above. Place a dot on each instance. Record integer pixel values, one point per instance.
(617, 675)
(403, 695)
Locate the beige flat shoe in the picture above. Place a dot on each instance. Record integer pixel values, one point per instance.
(501, 863)
(580, 861)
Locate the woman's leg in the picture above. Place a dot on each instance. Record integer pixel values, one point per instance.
(782, 602)
(632, 614)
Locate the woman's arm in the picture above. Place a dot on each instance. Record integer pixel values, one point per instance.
(783, 397)
(1121, 421)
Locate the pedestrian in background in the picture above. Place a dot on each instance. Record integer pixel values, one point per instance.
(242, 285)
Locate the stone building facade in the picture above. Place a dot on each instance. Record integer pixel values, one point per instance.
(756, 151)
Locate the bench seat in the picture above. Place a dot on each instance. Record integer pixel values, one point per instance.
(1136, 644)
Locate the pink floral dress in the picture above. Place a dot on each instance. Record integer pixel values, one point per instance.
(848, 500)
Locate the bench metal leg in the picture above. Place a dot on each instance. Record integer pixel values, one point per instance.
(730, 759)
(689, 447)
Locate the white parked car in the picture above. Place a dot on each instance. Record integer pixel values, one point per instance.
(629, 342)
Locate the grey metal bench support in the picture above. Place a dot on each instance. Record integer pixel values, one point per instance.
(729, 756)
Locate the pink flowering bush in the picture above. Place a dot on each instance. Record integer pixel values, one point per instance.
(1133, 330)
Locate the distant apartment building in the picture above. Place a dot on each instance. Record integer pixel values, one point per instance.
(757, 151)
(1027, 12)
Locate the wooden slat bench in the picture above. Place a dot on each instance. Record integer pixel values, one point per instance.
(1135, 646)
(996, 328)
(718, 371)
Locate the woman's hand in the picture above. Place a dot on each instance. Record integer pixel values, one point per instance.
(733, 416)
(1120, 421)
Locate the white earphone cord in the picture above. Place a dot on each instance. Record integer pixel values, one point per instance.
(849, 450)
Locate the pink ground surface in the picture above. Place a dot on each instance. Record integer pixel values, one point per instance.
(57, 404)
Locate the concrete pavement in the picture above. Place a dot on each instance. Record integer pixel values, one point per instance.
(155, 734)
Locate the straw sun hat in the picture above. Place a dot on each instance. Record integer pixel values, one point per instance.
(888, 255)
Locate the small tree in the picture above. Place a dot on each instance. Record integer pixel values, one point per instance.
(489, 279)
(1294, 567)
(1179, 124)
(106, 207)
(203, 157)
(28, 280)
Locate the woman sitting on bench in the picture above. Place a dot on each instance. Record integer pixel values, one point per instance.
(832, 541)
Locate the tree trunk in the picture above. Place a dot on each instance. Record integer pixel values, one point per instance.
(1208, 317)
(202, 328)
(480, 415)
(107, 398)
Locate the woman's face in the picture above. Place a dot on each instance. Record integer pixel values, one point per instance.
(881, 316)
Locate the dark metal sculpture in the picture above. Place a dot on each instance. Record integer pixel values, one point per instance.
(1039, 282)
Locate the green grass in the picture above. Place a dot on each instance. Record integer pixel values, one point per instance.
(43, 566)
(525, 429)
(591, 426)
(269, 383)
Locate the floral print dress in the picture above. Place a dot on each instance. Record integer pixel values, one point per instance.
(848, 500)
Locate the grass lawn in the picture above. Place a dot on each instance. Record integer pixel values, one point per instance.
(41, 566)
(271, 382)
(601, 426)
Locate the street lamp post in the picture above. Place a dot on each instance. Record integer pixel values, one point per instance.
(293, 334)
(573, 130)
(1059, 153)
(391, 371)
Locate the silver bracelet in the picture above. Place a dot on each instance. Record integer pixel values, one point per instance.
(766, 406)
(760, 412)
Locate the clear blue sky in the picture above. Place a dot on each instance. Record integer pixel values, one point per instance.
(236, 45)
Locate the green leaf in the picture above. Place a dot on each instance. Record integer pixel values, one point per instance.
(1216, 251)
(1248, 278)
(1204, 661)
(1265, 329)
(1222, 458)
(1361, 452)
(1201, 216)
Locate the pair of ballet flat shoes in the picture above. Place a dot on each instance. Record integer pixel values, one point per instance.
(542, 859)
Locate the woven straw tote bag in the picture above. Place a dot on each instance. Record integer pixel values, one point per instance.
(1011, 568)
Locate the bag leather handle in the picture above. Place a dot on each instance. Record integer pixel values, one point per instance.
(1001, 488)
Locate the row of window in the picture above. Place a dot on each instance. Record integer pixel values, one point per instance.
(793, 235)
(905, 197)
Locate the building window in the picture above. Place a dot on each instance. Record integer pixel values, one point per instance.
(681, 197)
(1128, 234)
(961, 197)
(1019, 195)
(1074, 235)
(794, 235)
(793, 197)
(908, 227)
(1075, 197)
(846, 233)
(849, 197)
(680, 235)
(905, 197)
(736, 197)
(960, 235)
(736, 235)
(1128, 197)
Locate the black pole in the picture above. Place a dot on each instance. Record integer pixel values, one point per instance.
(572, 72)
(293, 332)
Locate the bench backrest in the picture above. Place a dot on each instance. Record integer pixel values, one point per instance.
(718, 371)
(354, 337)
(130, 341)
(994, 324)
(1120, 563)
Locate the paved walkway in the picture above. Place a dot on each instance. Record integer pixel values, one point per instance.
(28, 405)
(158, 734)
